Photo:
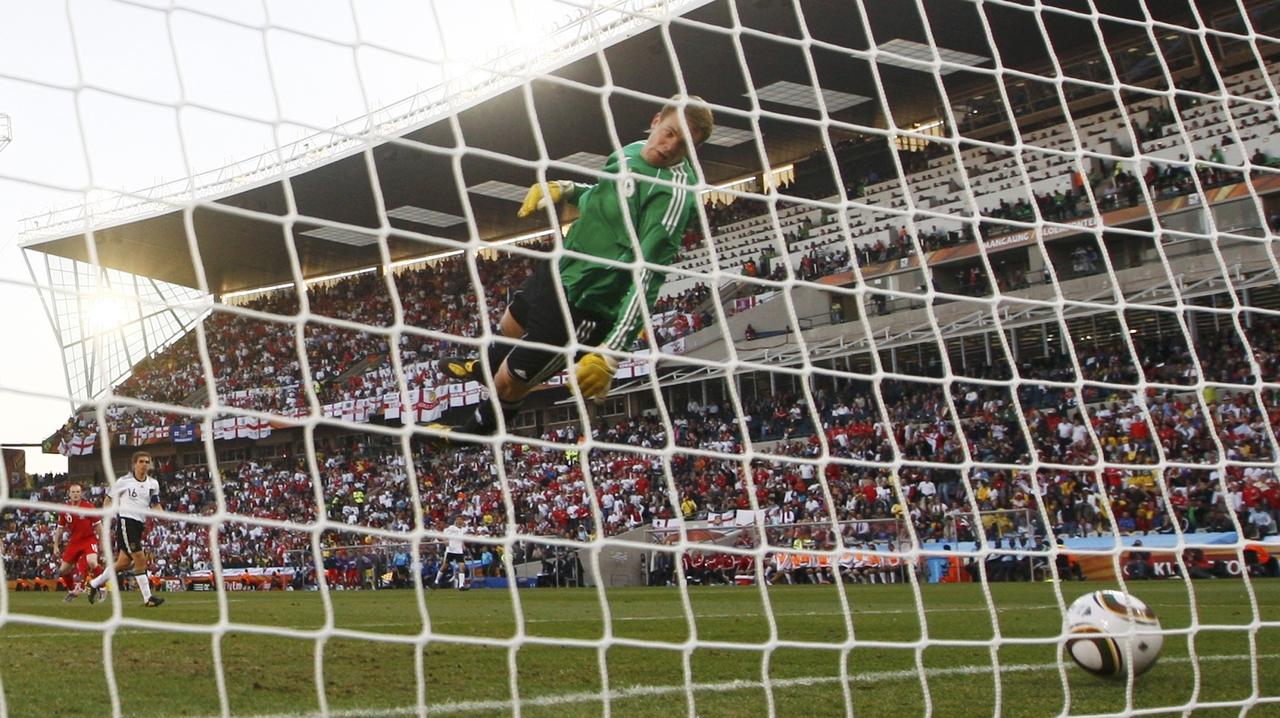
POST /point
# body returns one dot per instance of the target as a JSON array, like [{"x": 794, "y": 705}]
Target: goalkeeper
[{"x": 604, "y": 301}]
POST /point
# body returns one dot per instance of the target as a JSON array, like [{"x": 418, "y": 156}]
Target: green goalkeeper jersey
[{"x": 659, "y": 214}]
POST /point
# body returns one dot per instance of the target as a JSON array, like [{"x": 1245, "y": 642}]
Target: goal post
[
  {"x": 994, "y": 524},
  {"x": 960, "y": 309}
]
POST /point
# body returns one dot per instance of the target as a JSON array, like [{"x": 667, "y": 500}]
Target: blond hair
[{"x": 696, "y": 115}]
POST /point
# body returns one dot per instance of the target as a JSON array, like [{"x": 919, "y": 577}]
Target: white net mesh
[{"x": 974, "y": 299}]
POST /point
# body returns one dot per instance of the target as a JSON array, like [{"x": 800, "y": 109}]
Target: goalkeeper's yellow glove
[
  {"x": 556, "y": 191},
  {"x": 595, "y": 374}
]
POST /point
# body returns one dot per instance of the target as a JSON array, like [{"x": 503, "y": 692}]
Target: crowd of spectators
[
  {"x": 254, "y": 355},
  {"x": 958, "y": 444},
  {"x": 949, "y": 437}
]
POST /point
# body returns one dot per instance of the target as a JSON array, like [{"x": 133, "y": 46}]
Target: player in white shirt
[
  {"x": 135, "y": 493},
  {"x": 455, "y": 553}
]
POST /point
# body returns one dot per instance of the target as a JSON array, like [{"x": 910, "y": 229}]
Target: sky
[{"x": 108, "y": 94}]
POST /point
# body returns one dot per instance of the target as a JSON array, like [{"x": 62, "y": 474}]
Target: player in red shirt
[{"x": 81, "y": 534}]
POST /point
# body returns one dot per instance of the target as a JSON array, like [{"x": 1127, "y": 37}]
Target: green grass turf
[{"x": 467, "y": 665}]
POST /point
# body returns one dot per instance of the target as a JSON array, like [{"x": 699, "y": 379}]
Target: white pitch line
[{"x": 632, "y": 692}]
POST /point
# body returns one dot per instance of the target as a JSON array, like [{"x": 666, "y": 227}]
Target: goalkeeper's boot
[
  {"x": 95, "y": 593},
  {"x": 71, "y": 596},
  {"x": 461, "y": 368},
  {"x": 153, "y": 602}
]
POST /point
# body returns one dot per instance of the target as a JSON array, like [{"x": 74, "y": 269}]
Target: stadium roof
[{"x": 410, "y": 167}]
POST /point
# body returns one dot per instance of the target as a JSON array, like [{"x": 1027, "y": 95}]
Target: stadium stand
[
  {"x": 363, "y": 477},
  {"x": 347, "y": 364}
]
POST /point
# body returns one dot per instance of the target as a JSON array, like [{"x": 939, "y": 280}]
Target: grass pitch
[{"x": 724, "y": 645}]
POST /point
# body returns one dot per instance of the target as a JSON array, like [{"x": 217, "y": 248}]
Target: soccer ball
[{"x": 1134, "y": 628}]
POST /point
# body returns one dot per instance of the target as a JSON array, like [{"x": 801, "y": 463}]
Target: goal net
[{"x": 919, "y": 319}]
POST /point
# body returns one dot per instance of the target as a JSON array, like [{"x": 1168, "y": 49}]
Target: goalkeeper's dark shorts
[{"x": 538, "y": 309}]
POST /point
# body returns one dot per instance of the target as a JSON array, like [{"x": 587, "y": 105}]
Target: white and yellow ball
[{"x": 1105, "y": 629}]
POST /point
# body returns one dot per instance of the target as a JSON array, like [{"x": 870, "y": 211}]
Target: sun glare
[{"x": 105, "y": 314}]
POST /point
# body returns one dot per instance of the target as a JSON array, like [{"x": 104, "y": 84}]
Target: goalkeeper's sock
[
  {"x": 144, "y": 585},
  {"x": 484, "y": 421},
  {"x": 497, "y": 353},
  {"x": 99, "y": 580},
  {"x": 66, "y": 582}
]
